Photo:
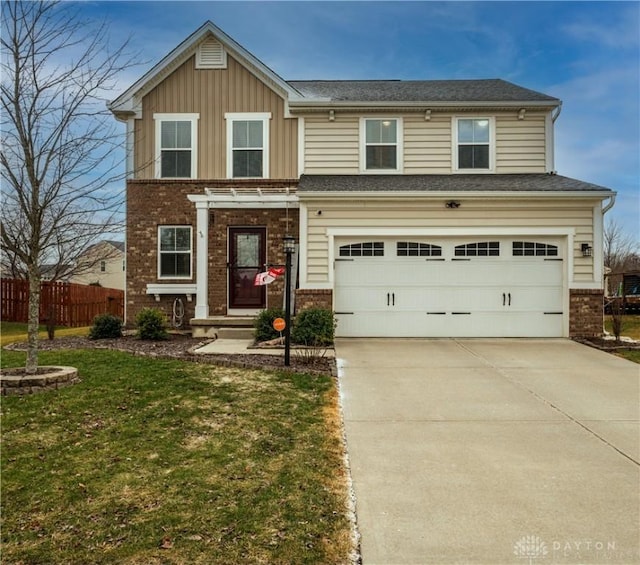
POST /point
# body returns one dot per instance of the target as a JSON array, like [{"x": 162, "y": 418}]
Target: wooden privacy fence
[{"x": 70, "y": 304}]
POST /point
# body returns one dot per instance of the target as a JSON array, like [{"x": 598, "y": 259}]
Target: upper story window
[
  {"x": 248, "y": 145},
  {"x": 474, "y": 144},
  {"x": 103, "y": 266},
  {"x": 176, "y": 145},
  {"x": 174, "y": 252},
  {"x": 381, "y": 144}
]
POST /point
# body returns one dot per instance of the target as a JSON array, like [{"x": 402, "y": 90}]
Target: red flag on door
[{"x": 268, "y": 276}]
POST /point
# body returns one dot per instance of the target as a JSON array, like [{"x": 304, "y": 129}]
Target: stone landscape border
[{"x": 47, "y": 378}]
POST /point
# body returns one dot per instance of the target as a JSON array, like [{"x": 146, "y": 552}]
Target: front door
[{"x": 247, "y": 257}]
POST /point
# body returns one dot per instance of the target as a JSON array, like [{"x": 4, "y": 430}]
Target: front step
[
  {"x": 223, "y": 327},
  {"x": 235, "y": 333}
]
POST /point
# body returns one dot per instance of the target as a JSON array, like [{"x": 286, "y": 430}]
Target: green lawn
[
  {"x": 154, "y": 461},
  {"x": 630, "y": 326},
  {"x": 16, "y": 331},
  {"x": 631, "y": 355}
]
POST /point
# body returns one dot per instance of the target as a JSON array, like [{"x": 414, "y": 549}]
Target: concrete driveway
[{"x": 492, "y": 451}]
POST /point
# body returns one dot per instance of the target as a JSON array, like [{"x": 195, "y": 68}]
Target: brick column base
[
  {"x": 586, "y": 313},
  {"x": 313, "y": 298}
]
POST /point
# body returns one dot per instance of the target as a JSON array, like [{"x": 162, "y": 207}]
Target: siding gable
[{"x": 211, "y": 93}]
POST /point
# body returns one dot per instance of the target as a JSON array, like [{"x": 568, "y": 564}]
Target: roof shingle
[
  {"x": 485, "y": 90},
  {"x": 444, "y": 183}
]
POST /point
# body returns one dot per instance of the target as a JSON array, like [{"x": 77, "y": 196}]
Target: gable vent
[{"x": 211, "y": 55}]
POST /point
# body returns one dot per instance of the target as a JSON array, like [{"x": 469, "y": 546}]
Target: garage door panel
[
  {"x": 354, "y": 299},
  {"x": 449, "y": 295},
  {"x": 391, "y": 323},
  {"x": 527, "y": 299},
  {"x": 534, "y": 273}
]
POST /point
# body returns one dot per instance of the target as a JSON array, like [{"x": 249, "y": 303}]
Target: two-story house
[
  {"x": 421, "y": 208},
  {"x": 101, "y": 264}
]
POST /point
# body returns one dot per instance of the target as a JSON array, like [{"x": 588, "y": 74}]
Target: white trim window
[
  {"x": 174, "y": 252},
  {"x": 176, "y": 145},
  {"x": 248, "y": 145},
  {"x": 474, "y": 144},
  {"x": 381, "y": 145}
]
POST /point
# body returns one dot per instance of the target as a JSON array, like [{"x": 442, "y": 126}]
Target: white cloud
[{"x": 616, "y": 29}]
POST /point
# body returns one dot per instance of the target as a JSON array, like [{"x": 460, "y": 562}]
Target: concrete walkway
[
  {"x": 492, "y": 451},
  {"x": 245, "y": 347}
]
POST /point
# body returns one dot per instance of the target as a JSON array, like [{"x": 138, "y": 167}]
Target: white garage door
[{"x": 449, "y": 288}]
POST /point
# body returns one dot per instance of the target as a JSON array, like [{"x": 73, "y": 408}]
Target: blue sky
[{"x": 585, "y": 53}]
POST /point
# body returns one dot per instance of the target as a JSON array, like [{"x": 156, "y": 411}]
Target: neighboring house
[
  {"x": 421, "y": 208},
  {"x": 102, "y": 264}
]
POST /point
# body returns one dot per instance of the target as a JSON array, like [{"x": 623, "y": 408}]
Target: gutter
[
  {"x": 320, "y": 104},
  {"x": 470, "y": 194}
]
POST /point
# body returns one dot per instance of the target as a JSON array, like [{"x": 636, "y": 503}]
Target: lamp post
[{"x": 289, "y": 245}]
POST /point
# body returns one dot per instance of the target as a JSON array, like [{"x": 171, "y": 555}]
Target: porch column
[{"x": 202, "y": 254}]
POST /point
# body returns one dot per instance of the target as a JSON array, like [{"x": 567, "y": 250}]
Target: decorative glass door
[{"x": 247, "y": 257}]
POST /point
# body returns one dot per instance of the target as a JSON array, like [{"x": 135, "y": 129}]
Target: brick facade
[
  {"x": 164, "y": 202},
  {"x": 313, "y": 298},
  {"x": 585, "y": 313}
]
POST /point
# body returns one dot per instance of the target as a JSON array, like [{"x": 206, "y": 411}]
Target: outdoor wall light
[
  {"x": 586, "y": 250},
  {"x": 452, "y": 204},
  {"x": 289, "y": 244}
]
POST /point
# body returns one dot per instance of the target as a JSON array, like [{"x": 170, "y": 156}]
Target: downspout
[
  {"x": 612, "y": 201},
  {"x": 550, "y": 139}
]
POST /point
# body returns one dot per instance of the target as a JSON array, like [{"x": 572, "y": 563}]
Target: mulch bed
[
  {"x": 609, "y": 345},
  {"x": 181, "y": 347}
]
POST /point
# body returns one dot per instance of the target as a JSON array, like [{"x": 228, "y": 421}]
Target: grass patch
[
  {"x": 16, "y": 331},
  {"x": 630, "y": 326},
  {"x": 630, "y": 354},
  {"x": 155, "y": 461}
]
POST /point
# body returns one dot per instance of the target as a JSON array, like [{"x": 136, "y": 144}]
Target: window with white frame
[
  {"x": 474, "y": 146},
  {"x": 176, "y": 145},
  {"x": 381, "y": 142},
  {"x": 103, "y": 266},
  {"x": 248, "y": 145},
  {"x": 174, "y": 252}
]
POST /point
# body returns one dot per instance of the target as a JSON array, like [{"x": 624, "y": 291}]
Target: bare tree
[
  {"x": 621, "y": 250},
  {"x": 59, "y": 157}
]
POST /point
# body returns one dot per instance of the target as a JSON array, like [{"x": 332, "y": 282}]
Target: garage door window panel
[
  {"x": 416, "y": 249},
  {"x": 534, "y": 249},
  {"x": 364, "y": 249},
  {"x": 478, "y": 249}
]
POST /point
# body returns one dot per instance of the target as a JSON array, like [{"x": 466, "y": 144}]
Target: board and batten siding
[
  {"x": 379, "y": 214},
  {"x": 333, "y": 147},
  {"x": 211, "y": 93}
]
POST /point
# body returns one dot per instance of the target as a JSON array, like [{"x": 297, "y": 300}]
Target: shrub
[
  {"x": 151, "y": 324},
  {"x": 314, "y": 327},
  {"x": 106, "y": 326},
  {"x": 264, "y": 324}
]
